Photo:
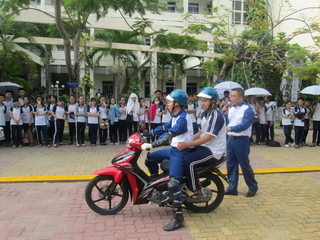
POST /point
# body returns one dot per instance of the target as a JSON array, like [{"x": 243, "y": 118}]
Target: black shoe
[
  {"x": 230, "y": 193},
  {"x": 175, "y": 223},
  {"x": 251, "y": 193}
]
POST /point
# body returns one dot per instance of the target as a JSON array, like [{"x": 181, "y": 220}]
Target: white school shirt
[
  {"x": 102, "y": 111},
  {"x": 214, "y": 125},
  {"x": 16, "y": 114},
  {"x": 287, "y": 121},
  {"x": 270, "y": 108},
  {"x": 40, "y": 120},
  {"x": 166, "y": 117},
  {"x": 262, "y": 115},
  {"x": 299, "y": 122},
  {"x": 144, "y": 117},
  {"x": 123, "y": 115},
  {"x": 26, "y": 113},
  {"x": 70, "y": 108},
  {"x": 9, "y": 104},
  {"x": 3, "y": 110},
  {"x": 192, "y": 115},
  {"x": 316, "y": 114},
  {"x": 60, "y": 110},
  {"x": 157, "y": 119},
  {"x": 187, "y": 136},
  {"x": 93, "y": 120}
]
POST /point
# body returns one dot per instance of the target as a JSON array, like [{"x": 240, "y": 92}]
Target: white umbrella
[
  {"x": 257, "y": 92},
  {"x": 9, "y": 86},
  {"x": 313, "y": 90},
  {"x": 228, "y": 85}
]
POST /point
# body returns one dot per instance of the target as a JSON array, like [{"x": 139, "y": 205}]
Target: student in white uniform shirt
[
  {"x": 58, "y": 113},
  {"x": 166, "y": 115},
  {"x": 16, "y": 115},
  {"x": 299, "y": 122},
  {"x": 27, "y": 120},
  {"x": 287, "y": 123},
  {"x": 21, "y": 93},
  {"x": 103, "y": 119},
  {"x": 143, "y": 115},
  {"x": 114, "y": 113},
  {"x": 93, "y": 122},
  {"x": 9, "y": 104},
  {"x": 122, "y": 121},
  {"x": 191, "y": 109},
  {"x": 157, "y": 119},
  {"x": 3, "y": 110},
  {"x": 71, "y": 121},
  {"x": 50, "y": 106},
  {"x": 41, "y": 121},
  {"x": 80, "y": 113}
]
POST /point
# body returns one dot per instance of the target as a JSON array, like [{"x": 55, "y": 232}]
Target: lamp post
[{"x": 57, "y": 88}]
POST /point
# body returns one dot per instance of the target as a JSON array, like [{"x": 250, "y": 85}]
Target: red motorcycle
[{"x": 108, "y": 193}]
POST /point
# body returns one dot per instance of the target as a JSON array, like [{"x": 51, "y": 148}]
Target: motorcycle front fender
[{"x": 117, "y": 174}]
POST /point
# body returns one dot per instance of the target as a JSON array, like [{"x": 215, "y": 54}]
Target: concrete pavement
[{"x": 287, "y": 205}]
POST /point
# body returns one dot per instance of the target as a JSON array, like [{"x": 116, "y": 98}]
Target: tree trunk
[
  {"x": 225, "y": 70},
  {"x": 126, "y": 82}
]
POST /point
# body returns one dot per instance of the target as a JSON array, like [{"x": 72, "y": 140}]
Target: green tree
[
  {"x": 73, "y": 25},
  {"x": 14, "y": 64},
  {"x": 122, "y": 59}
]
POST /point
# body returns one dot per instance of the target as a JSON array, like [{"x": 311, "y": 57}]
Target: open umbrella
[
  {"x": 313, "y": 90},
  {"x": 228, "y": 85},
  {"x": 257, "y": 92},
  {"x": 9, "y": 85}
]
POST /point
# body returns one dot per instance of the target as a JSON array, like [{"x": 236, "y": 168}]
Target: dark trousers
[
  {"x": 195, "y": 127},
  {"x": 16, "y": 135},
  {"x": 270, "y": 129},
  {"x": 122, "y": 127},
  {"x": 132, "y": 127},
  {"x": 93, "y": 132},
  {"x": 44, "y": 130},
  {"x": 3, "y": 141},
  {"x": 305, "y": 130},
  {"x": 257, "y": 128},
  {"x": 200, "y": 156},
  {"x": 51, "y": 129},
  {"x": 298, "y": 131},
  {"x": 58, "y": 130},
  {"x": 263, "y": 129},
  {"x": 7, "y": 132},
  {"x": 80, "y": 129},
  {"x": 72, "y": 130},
  {"x": 113, "y": 131},
  {"x": 103, "y": 134},
  {"x": 316, "y": 132},
  {"x": 238, "y": 154},
  {"x": 287, "y": 129}
]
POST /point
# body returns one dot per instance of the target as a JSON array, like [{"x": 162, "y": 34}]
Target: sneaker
[
  {"x": 292, "y": 144},
  {"x": 83, "y": 145},
  {"x": 78, "y": 145},
  {"x": 20, "y": 146},
  {"x": 116, "y": 143},
  {"x": 14, "y": 146},
  {"x": 286, "y": 145}
]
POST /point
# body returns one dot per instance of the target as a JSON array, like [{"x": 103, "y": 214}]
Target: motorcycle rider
[
  {"x": 209, "y": 141},
  {"x": 179, "y": 129}
]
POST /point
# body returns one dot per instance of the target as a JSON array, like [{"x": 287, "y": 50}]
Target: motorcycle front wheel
[
  {"x": 106, "y": 197},
  {"x": 214, "y": 183}
]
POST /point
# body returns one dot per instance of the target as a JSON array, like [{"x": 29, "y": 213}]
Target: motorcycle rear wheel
[
  {"x": 106, "y": 197},
  {"x": 217, "y": 189}
]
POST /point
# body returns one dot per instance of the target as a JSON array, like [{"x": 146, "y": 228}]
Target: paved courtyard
[{"x": 287, "y": 205}]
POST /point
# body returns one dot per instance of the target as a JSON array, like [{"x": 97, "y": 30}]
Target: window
[
  {"x": 209, "y": 8},
  {"x": 193, "y": 8},
  {"x": 169, "y": 87},
  {"x": 240, "y": 9},
  {"x": 147, "y": 89},
  {"x": 192, "y": 88},
  {"x": 171, "y": 6}
]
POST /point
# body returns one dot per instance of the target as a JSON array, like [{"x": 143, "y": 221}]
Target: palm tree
[
  {"x": 14, "y": 64},
  {"x": 122, "y": 59}
]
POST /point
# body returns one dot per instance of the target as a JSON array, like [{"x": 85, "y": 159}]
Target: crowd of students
[{"x": 25, "y": 123}]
